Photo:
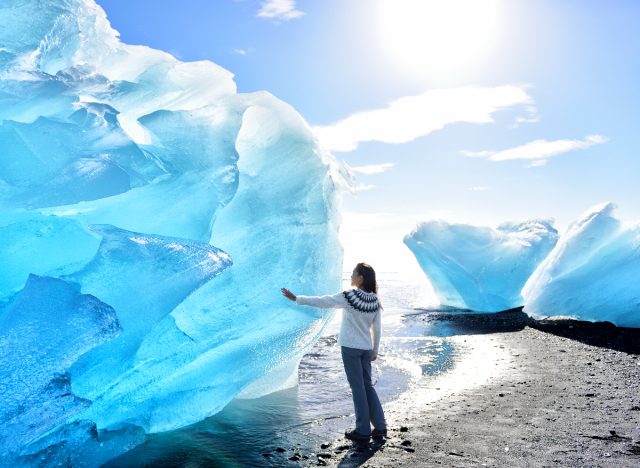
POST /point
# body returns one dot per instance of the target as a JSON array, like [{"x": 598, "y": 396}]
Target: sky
[{"x": 474, "y": 111}]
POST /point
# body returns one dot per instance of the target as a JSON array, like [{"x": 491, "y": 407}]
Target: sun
[{"x": 438, "y": 37}]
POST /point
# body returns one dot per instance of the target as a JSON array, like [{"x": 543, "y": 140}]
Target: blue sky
[{"x": 545, "y": 98}]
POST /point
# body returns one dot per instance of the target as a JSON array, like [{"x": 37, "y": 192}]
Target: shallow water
[{"x": 319, "y": 409}]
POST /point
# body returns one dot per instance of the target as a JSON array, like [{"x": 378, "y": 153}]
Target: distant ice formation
[
  {"x": 593, "y": 273},
  {"x": 120, "y": 169},
  {"x": 480, "y": 268}
]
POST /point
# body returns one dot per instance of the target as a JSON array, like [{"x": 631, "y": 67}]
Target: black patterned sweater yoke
[{"x": 362, "y": 301}]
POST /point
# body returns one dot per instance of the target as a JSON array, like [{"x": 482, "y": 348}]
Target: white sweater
[{"x": 360, "y": 319}]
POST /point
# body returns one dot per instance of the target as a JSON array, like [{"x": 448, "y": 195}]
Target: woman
[{"x": 359, "y": 341}]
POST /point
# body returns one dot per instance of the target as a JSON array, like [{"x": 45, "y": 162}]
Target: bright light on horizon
[
  {"x": 376, "y": 238},
  {"x": 437, "y": 37}
]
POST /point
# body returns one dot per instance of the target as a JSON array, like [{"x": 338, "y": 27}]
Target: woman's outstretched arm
[
  {"x": 330, "y": 301},
  {"x": 288, "y": 294}
]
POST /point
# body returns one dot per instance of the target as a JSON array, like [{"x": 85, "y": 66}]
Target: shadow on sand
[{"x": 360, "y": 452}]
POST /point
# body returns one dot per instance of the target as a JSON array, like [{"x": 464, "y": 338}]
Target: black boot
[{"x": 356, "y": 436}]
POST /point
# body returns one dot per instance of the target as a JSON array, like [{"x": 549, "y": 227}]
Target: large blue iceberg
[
  {"x": 149, "y": 215},
  {"x": 480, "y": 268},
  {"x": 592, "y": 274}
]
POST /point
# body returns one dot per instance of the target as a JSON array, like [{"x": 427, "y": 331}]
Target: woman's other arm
[{"x": 376, "y": 331}]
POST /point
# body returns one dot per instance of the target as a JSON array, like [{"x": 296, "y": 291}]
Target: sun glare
[{"x": 438, "y": 37}]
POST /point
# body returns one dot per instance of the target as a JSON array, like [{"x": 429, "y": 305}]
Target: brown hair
[{"x": 369, "y": 283}]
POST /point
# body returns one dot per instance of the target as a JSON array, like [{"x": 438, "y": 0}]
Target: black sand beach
[{"x": 564, "y": 393}]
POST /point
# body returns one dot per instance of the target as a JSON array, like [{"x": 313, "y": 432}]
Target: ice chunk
[
  {"x": 79, "y": 444},
  {"x": 236, "y": 329},
  {"x": 120, "y": 168},
  {"x": 52, "y": 363},
  {"x": 43, "y": 330},
  {"x": 480, "y": 268},
  {"x": 43, "y": 245},
  {"x": 144, "y": 278},
  {"x": 26, "y": 101},
  {"x": 592, "y": 273},
  {"x": 50, "y": 162},
  {"x": 201, "y": 175}
]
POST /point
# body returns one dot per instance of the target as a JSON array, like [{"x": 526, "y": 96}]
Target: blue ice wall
[
  {"x": 149, "y": 215},
  {"x": 593, "y": 272},
  {"x": 480, "y": 268},
  {"x": 46, "y": 327}
]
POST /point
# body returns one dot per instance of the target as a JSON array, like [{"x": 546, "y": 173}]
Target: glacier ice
[
  {"x": 592, "y": 273},
  {"x": 32, "y": 243},
  {"x": 149, "y": 214},
  {"x": 480, "y": 268},
  {"x": 36, "y": 349}
]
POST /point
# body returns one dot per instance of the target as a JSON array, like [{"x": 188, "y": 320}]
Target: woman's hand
[
  {"x": 374, "y": 356},
  {"x": 288, "y": 294}
]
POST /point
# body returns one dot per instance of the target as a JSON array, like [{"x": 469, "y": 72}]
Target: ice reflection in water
[{"x": 318, "y": 410}]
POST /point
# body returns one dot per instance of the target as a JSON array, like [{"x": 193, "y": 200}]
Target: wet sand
[{"x": 564, "y": 393}]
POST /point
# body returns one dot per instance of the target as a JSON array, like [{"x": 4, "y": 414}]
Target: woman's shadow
[{"x": 360, "y": 452}]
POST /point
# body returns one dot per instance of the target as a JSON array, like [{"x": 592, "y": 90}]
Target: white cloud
[
  {"x": 242, "y": 51},
  {"x": 538, "y": 150},
  {"x": 411, "y": 117},
  {"x": 531, "y": 117},
  {"x": 279, "y": 10},
  {"x": 478, "y": 188},
  {"x": 363, "y": 187},
  {"x": 537, "y": 163},
  {"x": 373, "y": 168}
]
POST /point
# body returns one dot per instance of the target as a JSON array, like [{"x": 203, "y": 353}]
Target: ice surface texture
[
  {"x": 120, "y": 169},
  {"x": 480, "y": 268},
  {"x": 593, "y": 273}
]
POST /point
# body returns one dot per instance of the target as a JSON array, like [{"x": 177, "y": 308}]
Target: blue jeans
[{"x": 357, "y": 365}]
